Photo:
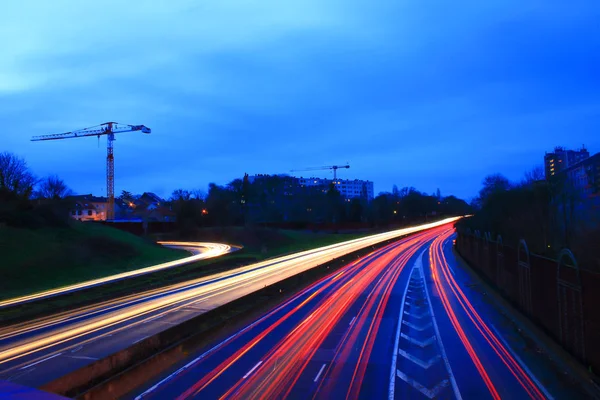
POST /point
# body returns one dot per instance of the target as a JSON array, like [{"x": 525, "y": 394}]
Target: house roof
[
  {"x": 153, "y": 197},
  {"x": 89, "y": 198}
]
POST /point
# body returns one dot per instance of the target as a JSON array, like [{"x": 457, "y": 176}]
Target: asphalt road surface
[
  {"x": 402, "y": 322},
  {"x": 37, "y": 352}
]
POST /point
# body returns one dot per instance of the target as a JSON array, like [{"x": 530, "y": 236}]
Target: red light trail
[
  {"x": 438, "y": 263},
  {"x": 279, "y": 370},
  {"x": 341, "y": 315}
]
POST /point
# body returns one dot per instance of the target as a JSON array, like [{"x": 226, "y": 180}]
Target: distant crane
[
  {"x": 109, "y": 129},
  {"x": 333, "y": 167}
]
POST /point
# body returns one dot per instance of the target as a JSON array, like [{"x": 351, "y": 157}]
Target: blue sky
[{"x": 430, "y": 94}]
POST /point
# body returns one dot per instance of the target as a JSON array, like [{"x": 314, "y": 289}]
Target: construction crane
[
  {"x": 109, "y": 129},
  {"x": 332, "y": 167}
]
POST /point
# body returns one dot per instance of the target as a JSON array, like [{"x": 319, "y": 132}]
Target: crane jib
[{"x": 108, "y": 128}]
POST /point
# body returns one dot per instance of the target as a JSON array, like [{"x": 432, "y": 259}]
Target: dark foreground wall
[{"x": 558, "y": 295}]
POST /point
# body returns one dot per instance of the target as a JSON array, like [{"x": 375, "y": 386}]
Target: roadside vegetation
[
  {"x": 41, "y": 247},
  {"x": 278, "y": 201},
  {"x": 549, "y": 215},
  {"x": 50, "y": 257}
]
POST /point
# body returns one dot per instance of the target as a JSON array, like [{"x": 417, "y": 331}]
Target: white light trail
[
  {"x": 216, "y": 289},
  {"x": 213, "y": 250}
]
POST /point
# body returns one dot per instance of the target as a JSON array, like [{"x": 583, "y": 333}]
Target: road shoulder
[{"x": 529, "y": 338}]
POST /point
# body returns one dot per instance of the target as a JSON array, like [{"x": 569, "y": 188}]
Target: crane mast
[
  {"x": 110, "y": 175},
  {"x": 109, "y": 129}
]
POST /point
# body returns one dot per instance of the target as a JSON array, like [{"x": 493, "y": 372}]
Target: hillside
[{"x": 36, "y": 259}]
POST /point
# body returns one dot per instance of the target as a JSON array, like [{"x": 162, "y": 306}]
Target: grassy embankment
[
  {"x": 258, "y": 244},
  {"x": 32, "y": 260}
]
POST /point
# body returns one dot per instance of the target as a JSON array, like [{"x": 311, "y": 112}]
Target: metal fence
[{"x": 557, "y": 295}]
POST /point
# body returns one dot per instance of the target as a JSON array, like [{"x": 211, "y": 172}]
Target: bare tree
[
  {"x": 198, "y": 194},
  {"x": 533, "y": 176},
  {"x": 52, "y": 187},
  {"x": 180, "y": 195},
  {"x": 492, "y": 184},
  {"x": 15, "y": 177}
]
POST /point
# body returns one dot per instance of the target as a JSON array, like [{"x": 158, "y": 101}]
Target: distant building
[
  {"x": 561, "y": 159},
  {"x": 87, "y": 207},
  {"x": 578, "y": 201},
  {"x": 148, "y": 207},
  {"x": 150, "y": 200},
  {"x": 349, "y": 189},
  {"x": 585, "y": 176}
]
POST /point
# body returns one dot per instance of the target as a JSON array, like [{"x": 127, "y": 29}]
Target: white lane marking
[
  {"x": 37, "y": 362},
  {"x": 139, "y": 340},
  {"x": 219, "y": 345},
  {"x": 451, "y": 269},
  {"x": 421, "y": 343},
  {"x": 417, "y": 327},
  {"x": 76, "y": 349},
  {"x": 320, "y": 372},
  {"x": 153, "y": 319},
  {"x": 252, "y": 370},
  {"x": 418, "y": 361},
  {"x": 392, "y": 386},
  {"x": 437, "y": 333},
  {"x": 415, "y": 315},
  {"x": 540, "y": 386},
  {"x": 351, "y": 322},
  {"x": 20, "y": 374},
  {"x": 84, "y": 358},
  {"x": 430, "y": 393}
]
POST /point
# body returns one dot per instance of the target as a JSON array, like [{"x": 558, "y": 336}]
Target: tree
[
  {"x": 533, "y": 176},
  {"x": 52, "y": 187},
  {"x": 493, "y": 184},
  {"x": 15, "y": 177},
  {"x": 126, "y": 196},
  {"x": 335, "y": 205},
  {"x": 180, "y": 195},
  {"x": 198, "y": 194}
]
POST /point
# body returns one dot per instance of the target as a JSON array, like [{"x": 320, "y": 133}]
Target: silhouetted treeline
[
  {"x": 548, "y": 214},
  {"x": 27, "y": 201},
  {"x": 273, "y": 200}
]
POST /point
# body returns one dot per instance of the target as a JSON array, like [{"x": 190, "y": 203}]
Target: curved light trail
[
  {"x": 441, "y": 273},
  {"x": 200, "y": 250},
  {"x": 332, "y": 339},
  {"x": 66, "y": 330},
  {"x": 323, "y": 305}
]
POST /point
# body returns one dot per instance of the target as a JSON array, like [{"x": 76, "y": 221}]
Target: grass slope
[{"x": 32, "y": 260}]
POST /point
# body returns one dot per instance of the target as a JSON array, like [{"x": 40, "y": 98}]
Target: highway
[
  {"x": 37, "y": 352},
  {"x": 401, "y": 322}
]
